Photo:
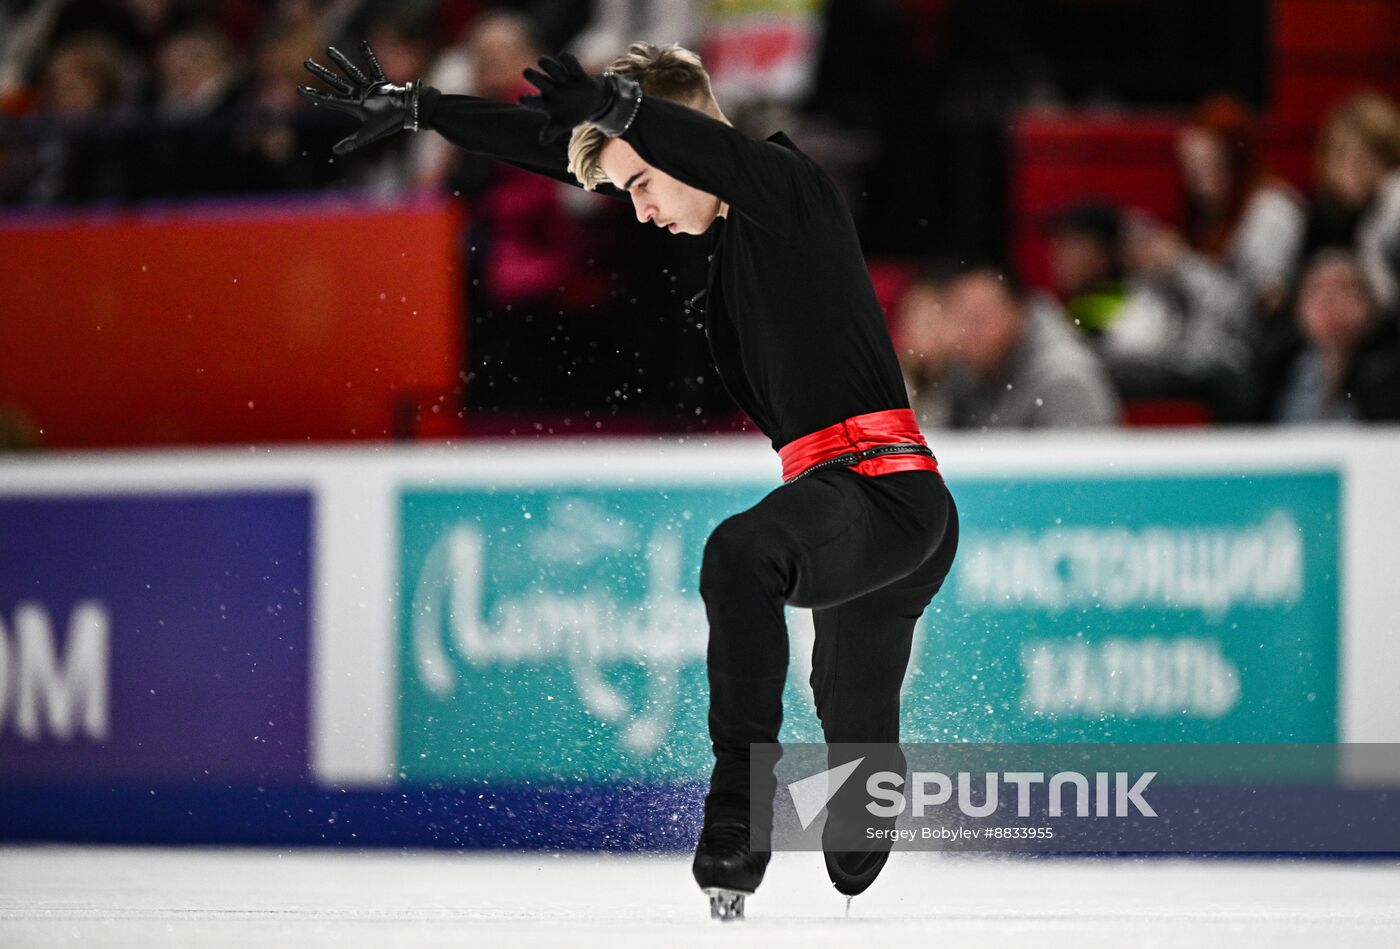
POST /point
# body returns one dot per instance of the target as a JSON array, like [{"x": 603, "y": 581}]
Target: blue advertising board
[
  {"x": 154, "y": 640},
  {"x": 556, "y": 633}
]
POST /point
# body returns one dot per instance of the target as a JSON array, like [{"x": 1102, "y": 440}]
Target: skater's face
[{"x": 657, "y": 197}]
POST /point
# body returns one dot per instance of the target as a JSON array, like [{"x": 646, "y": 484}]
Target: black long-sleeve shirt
[{"x": 797, "y": 335}]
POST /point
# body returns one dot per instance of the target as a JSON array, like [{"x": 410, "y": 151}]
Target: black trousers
[{"x": 866, "y": 554}]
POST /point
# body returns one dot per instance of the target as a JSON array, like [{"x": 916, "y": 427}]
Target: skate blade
[{"x": 725, "y": 905}]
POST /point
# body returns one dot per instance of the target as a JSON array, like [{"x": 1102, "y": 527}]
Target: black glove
[
  {"x": 570, "y": 97},
  {"x": 382, "y": 107}
]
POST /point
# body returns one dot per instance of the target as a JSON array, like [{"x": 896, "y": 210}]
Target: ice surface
[{"x": 187, "y": 897}]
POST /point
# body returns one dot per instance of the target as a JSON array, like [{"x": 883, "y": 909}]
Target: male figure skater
[{"x": 862, "y": 530}]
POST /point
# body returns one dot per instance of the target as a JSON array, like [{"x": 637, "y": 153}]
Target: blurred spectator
[
  {"x": 519, "y": 215},
  {"x": 925, "y": 341},
  {"x": 1086, "y": 264},
  {"x": 1168, "y": 322},
  {"x": 1335, "y": 312},
  {"x": 617, "y": 23},
  {"x": 501, "y": 45},
  {"x": 1235, "y": 212},
  {"x": 1000, "y": 357},
  {"x": 486, "y": 62},
  {"x": 84, "y": 78},
  {"x": 24, "y": 36},
  {"x": 84, "y": 81},
  {"x": 141, "y": 27},
  {"x": 281, "y": 144},
  {"x": 190, "y": 152},
  {"x": 1358, "y": 197},
  {"x": 1184, "y": 328},
  {"x": 196, "y": 74},
  {"x": 523, "y": 246},
  {"x": 762, "y": 52},
  {"x": 1373, "y": 378},
  {"x": 1358, "y": 153}
]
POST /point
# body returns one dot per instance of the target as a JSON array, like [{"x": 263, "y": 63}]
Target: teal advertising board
[{"x": 555, "y": 634}]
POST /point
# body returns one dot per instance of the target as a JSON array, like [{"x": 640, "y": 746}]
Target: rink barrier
[
  {"x": 476, "y": 616},
  {"x": 621, "y": 818}
]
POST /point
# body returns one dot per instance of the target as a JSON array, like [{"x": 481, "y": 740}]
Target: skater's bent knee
[{"x": 737, "y": 552}]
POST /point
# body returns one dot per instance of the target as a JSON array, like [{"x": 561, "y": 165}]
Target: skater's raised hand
[
  {"x": 382, "y": 107},
  {"x": 570, "y": 97}
]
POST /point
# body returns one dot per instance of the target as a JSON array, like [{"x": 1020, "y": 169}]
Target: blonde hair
[
  {"x": 1374, "y": 119},
  {"x": 669, "y": 72}
]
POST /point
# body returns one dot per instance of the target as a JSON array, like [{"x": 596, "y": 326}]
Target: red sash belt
[{"x": 875, "y": 443}]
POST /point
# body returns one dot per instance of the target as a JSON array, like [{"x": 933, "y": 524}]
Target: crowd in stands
[
  {"x": 130, "y": 102},
  {"x": 1256, "y": 303}
]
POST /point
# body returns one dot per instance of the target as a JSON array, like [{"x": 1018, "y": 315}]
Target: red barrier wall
[{"x": 227, "y": 324}]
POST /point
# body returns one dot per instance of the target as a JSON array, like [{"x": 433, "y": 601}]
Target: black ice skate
[
  {"x": 725, "y": 866},
  {"x": 853, "y": 871},
  {"x": 856, "y": 843}
]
